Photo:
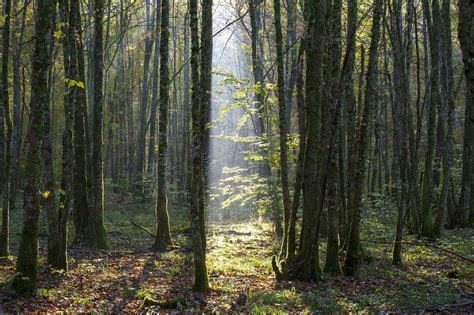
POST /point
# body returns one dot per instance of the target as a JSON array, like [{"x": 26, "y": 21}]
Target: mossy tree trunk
[
  {"x": 334, "y": 51},
  {"x": 433, "y": 23},
  {"x": 199, "y": 100},
  {"x": 466, "y": 38},
  {"x": 27, "y": 262},
  {"x": 353, "y": 244},
  {"x": 307, "y": 261},
  {"x": 97, "y": 235},
  {"x": 163, "y": 236},
  {"x": 82, "y": 202},
  {"x": 400, "y": 119}
]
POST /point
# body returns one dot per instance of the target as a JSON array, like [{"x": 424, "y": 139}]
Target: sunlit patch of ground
[{"x": 239, "y": 256}]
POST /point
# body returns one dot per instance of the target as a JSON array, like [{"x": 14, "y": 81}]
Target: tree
[
  {"x": 154, "y": 89},
  {"x": 283, "y": 125},
  {"x": 81, "y": 179},
  {"x": 5, "y": 139},
  {"x": 307, "y": 261},
  {"x": 201, "y": 62},
  {"x": 97, "y": 234},
  {"x": 353, "y": 245},
  {"x": 427, "y": 223},
  {"x": 27, "y": 263},
  {"x": 466, "y": 38},
  {"x": 143, "y": 126},
  {"x": 163, "y": 236}
]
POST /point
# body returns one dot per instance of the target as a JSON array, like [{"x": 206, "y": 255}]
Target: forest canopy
[{"x": 237, "y": 155}]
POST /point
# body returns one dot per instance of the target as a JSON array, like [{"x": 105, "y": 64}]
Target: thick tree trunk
[
  {"x": 27, "y": 262},
  {"x": 307, "y": 262},
  {"x": 331, "y": 133}
]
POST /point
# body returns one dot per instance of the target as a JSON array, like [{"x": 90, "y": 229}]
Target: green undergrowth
[{"x": 130, "y": 278}]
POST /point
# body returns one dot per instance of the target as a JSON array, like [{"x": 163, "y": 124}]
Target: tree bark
[
  {"x": 97, "y": 235},
  {"x": 466, "y": 38},
  {"x": 5, "y": 135},
  {"x": 163, "y": 236},
  {"x": 353, "y": 245},
  {"x": 27, "y": 263}
]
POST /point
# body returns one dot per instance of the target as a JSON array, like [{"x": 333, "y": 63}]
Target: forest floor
[{"x": 239, "y": 263}]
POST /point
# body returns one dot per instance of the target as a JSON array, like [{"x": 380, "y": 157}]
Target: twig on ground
[{"x": 143, "y": 229}]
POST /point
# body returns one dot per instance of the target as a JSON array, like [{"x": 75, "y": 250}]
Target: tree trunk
[
  {"x": 97, "y": 235},
  {"x": 27, "y": 263},
  {"x": 155, "y": 91},
  {"x": 163, "y": 236},
  {"x": 283, "y": 125},
  {"x": 143, "y": 126},
  {"x": 466, "y": 38},
  {"x": 5, "y": 137},
  {"x": 427, "y": 224},
  {"x": 307, "y": 262},
  {"x": 353, "y": 245}
]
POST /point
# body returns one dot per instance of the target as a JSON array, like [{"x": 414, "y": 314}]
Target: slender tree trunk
[
  {"x": 17, "y": 39},
  {"x": 154, "y": 89},
  {"x": 201, "y": 282},
  {"x": 143, "y": 126},
  {"x": 399, "y": 116},
  {"x": 427, "y": 224},
  {"x": 81, "y": 179},
  {"x": 466, "y": 38},
  {"x": 283, "y": 125},
  {"x": 353, "y": 245},
  {"x": 449, "y": 104},
  {"x": 163, "y": 236},
  {"x": 291, "y": 251},
  {"x": 5, "y": 135},
  {"x": 97, "y": 235}
]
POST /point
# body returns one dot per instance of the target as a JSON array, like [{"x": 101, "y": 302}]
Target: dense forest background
[{"x": 244, "y": 155}]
